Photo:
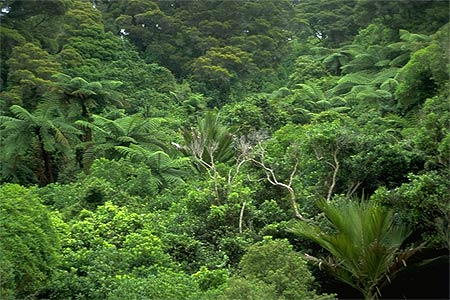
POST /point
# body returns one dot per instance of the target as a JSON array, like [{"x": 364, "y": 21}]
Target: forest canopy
[{"x": 221, "y": 149}]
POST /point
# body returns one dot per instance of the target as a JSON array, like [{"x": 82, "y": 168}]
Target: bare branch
[
  {"x": 241, "y": 216},
  {"x": 352, "y": 189},
  {"x": 291, "y": 177},
  {"x": 335, "y": 171},
  {"x": 272, "y": 179},
  {"x": 312, "y": 258}
]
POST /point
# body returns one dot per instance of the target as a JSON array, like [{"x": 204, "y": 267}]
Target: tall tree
[
  {"x": 30, "y": 70},
  {"x": 29, "y": 243},
  {"x": 124, "y": 132},
  {"x": 44, "y": 135}
]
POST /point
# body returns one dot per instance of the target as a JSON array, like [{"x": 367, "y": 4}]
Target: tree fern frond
[
  {"x": 112, "y": 84},
  {"x": 312, "y": 92},
  {"x": 383, "y": 63},
  {"x": 108, "y": 125},
  {"x": 76, "y": 83},
  {"x": 341, "y": 89},
  {"x": 132, "y": 154},
  {"x": 88, "y": 156},
  {"x": 390, "y": 85},
  {"x": 414, "y": 37},
  {"x": 67, "y": 128},
  {"x": 361, "y": 62},
  {"x": 62, "y": 77},
  {"x": 357, "y": 78},
  {"x": 129, "y": 123},
  {"x": 340, "y": 109},
  {"x": 60, "y": 138},
  {"x": 21, "y": 113},
  {"x": 92, "y": 87},
  {"x": 384, "y": 75},
  {"x": 400, "y": 60},
  {"x": 102, "y": 148},
  {"x": 46, "y": 139},
  {"x": 6, "y": 121},
  {"x": 88, "y": 125},
  {"x": 152, "y": 124},
  {"x": 126, "y": 139}
]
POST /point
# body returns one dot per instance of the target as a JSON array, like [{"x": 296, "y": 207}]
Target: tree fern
[
  {"x": 43, "y": 134},
  {"x": 124, "y": 131},
  {"x": 384, "y": 75},
  {"x": 410, "y": 42},
  {"x": 389, "y": 85},
  {"x": 168, "y": 170}
]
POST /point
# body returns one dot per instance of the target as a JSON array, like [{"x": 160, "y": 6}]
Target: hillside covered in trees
[{"x": 221, "y": 149}]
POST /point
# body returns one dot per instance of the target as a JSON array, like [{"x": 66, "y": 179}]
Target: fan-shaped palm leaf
[{"x": 210, "y": 143}]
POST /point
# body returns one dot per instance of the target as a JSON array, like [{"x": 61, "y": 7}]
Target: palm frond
[{"x": 365, "y": 244}]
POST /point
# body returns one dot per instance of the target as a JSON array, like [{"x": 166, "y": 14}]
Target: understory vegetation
[{"x": 211, "y": 149}]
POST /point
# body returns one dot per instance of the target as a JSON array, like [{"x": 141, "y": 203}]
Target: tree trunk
[
  {"x": 241, "y": 216},
  {"x": 46, "y": 158}
]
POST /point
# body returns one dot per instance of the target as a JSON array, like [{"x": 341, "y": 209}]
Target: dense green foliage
[
  {"x": 29, "y": 243},
  {"x": 157, "y": 149}
]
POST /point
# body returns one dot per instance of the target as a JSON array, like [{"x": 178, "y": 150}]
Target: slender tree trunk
[
  {"x": 335, "y": 167},
  {"x": 87, "y": 116},
  {"x": 87, "y": 137},
  {"x": 241, "y": 216},
  {"x": 46, "y": 158},
  {"x": 48, "y": 167}
]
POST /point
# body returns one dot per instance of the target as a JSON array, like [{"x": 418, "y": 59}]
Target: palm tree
[
  {"x": 44, "y": 133},
  {"x": 365, "y": 246},
  {"x": 208, "y": 144}
]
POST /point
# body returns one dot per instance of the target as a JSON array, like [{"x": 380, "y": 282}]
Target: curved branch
[
  {"x": 335, "y": 167},
  {"x": 272, "y": 179}
]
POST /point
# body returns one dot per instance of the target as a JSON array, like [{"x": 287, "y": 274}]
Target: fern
[
  {"x": 43, "y": 134},
  {"x": 390, "y": 85},
  {"x": 93, "y": 127},
  {"x": 357, "y": 78},
  {"x": 384, "y": 75},
  {"x": 167, "y": 169},
  {"x": 400, "y": 60},
  {"x": 21, "y": 113},
  {"x": 363, "y": 61}
]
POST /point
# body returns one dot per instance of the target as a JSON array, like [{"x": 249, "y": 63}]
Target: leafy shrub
[{"x": 28, "y": 243}]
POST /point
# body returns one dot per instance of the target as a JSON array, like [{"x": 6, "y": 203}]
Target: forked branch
[{"x": 272, "y": 179}]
